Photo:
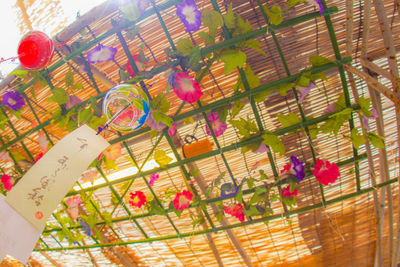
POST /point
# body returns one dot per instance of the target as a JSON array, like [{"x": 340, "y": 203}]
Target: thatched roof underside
[{"x": 342, "y": 233}]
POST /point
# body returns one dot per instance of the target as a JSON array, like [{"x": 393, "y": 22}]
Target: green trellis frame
[{"x": 249, "y": 93}]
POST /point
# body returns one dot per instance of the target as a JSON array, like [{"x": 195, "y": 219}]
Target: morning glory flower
[
  {"x": 186, "y": 88},
  {"x": 217, "y": 125},
  {"x": 13, "y": 100},
  {"x": 189, "y": 14},
  {"x": 101, "y": 53}
]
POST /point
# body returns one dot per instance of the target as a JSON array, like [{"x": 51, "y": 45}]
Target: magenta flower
[
  {"x": 153, "y": 177},
  {"x": 186, "y": 88},
  {"x": 318, "y": 4},
  {"x": 101, "y": 53},
  {"x": 286, "y": 192},
  {"x": 217, "y": 126},
  {"x": 172, "y": 129},
  {"x": 72, "y": 101},
  {"x": 189, "y": 14},
  {"x": 13, "y": 100},
  {"x": 304, "y": 91},
  {"x": 329, "y": 109},
  {"x": 7, "y": 182},
  {"x": 153, "y": 124}
]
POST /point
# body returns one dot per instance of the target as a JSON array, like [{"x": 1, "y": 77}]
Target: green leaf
[
  {"x": 356, "y": 138},
  {"x": 232, "y": 59},
  {"x": 250, "y": 183},
  {"x": 194, "y": 58},
  {"x": 188, "y": 120},
  {"x": 155, "y": 208},
  {"x": 161, "y": 158},
  {"x": 304, "y": 80},
  {"x": 85, "y": 115},
  {"x": 376, "y": 140},
  {"x": 252, "y": 211},
  {"x": 59, "y": 96},
  {"x": 20, "y": 73},
  {"x": 219, "y": 216},
  {"x": 239, "y": 195},
  {"x": 252, "y": 78},
  {"x": 237, "y": 107},
  {"x": 132, "y": 31},
  {"x": 229, "y": 18},
  {"x": 292, "y": 3},
  {"x": 365, "y": 106},
  {"x": 260, "y": 97},
  {"x": 255, "y": 198},
  {"x": 274, "y": 142},
  {"x": 211, "y": 19},
  {"x": 107, "y": 218},
  {"x": 208, "y": 39},
  {"x": 110, "y": 164},
  {"x": 160, "y": 102},
  {"x": 242, "y": 26},
  {"x": 222, "y": 114},
  {"x": 340, "y": 103},
  {"x": 77, "y": 86},
  {"x": 184, "y": 46},
  {"x": 161, "y": 117},
  {"x": 195, "y": 172},
  {"x": 288, "y": 120},
  {"x": 317, "y": 60},
  {"x": 252, "y": 43},
  {"x": 319, "y": 75},
  {"x": 123, "y": 75},
  {"x": 274, "y": 14},
  {"x": 244, "y": 127},
  {"x": 69, "y": 78},
  {"x": 282, "y": 89}
]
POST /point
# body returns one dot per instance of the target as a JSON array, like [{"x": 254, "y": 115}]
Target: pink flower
[
  {"x": 217, "y": 126},
  {"x": 304, "y": 91},
  {"x": 4, "y": 156},
  {"x": 235, "y": 210},
  {"x": 153, "y": 124},
  {"x": 113, "y": 152},
  {"x": 172, "y": 129},
  {"x": 329, "y": 109},
  {"x": 73, "y": 206},
  {"x": 140, "y": 65},
  {"x": 89, "y": 176},
  {"x": 153, "y": 177},
  {"x": 43, "y": 142},
  {"x": 39, "y": 156},
  {"x": 138, "y": 199},
  {"x": 286, "y": 192},
  {"x": 182, "y": 200},
  {"x": 187, "y": 88},
  {"x": 72, "y": 101},
  {"x": 326, "y": 172},
  {"x": 262, "y": 148},
  {"x": 7, "y": 182}
]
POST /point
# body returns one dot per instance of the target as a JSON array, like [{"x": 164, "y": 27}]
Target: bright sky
[{"x": 11, "y": 32}]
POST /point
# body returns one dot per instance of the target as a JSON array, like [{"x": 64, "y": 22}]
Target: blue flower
[
  {"x": 228, "y": 190},
  {"x": 85, "y": 227}
]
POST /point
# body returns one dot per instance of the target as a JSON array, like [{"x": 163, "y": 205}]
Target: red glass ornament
[{"x": 35, "y": 50}]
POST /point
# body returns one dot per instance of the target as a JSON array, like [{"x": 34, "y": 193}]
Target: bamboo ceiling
[{"x": 334, "y": 225}]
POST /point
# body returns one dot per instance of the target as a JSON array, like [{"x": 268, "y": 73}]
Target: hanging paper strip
[{"x": 43, "y": 187}]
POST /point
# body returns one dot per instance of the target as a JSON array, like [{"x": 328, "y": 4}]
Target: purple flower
[
  {"x": 304, "y": 91},
  {"x": 329, "y": 109},
  {"x": 13, "y": 100},
  {"x": 153, "y": 177},
  {"x": 319, "y": 4},
  {"x": 189, "y": 14},
  {"x": 228, "y": 190},
  {"x": 85, "y": 227},
  {"x": 172, "y": 79},
  {"x": 172, "y": 129},
  {"x": 298, "y": 168},
  {"x": 217, "y": 126},
  {"x": 366, "y": 119},
  {"x": 262, "y": 148},
  {"x": 101, "y": 53},
  {"x": 72, "y": 101},
  {"x": 153, "y": 124}
]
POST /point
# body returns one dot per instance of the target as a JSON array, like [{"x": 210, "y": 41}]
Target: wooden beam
[
  {"x": 50, "y": 259},
  {"x": 378, "y": 70},
  {"x": 374, "y": 83}
]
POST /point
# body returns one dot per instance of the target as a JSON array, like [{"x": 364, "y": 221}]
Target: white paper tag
[{"x": 43, "y": 187}]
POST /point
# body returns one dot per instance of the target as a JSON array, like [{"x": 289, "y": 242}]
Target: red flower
[
  {"x": 286, "y": 168},
  {"x": 39, "y": 156},
  {"x": 138, "y": 199},
  {"x": 236, "y": 210},
  {"x": 286, "y": 192},
  {"x": 7, "y": 182},
  {"x": 140, "y": 65},
  {"x": 326, "y": 172},
  {"x": 182, "y": 200}
]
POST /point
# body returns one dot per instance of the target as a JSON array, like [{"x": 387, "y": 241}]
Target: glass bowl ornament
[
  {"x": 35, "y": 50},
  {"x": 126, "y": 107}
]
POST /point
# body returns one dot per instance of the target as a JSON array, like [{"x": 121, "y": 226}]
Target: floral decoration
[
  {"x": 72, "y": 101},
  {"x": 295, "y": 168},
  {"x": 365, "y": 119},
  {"x": 153, "y": 124},
  {"x": 186, "y": 88},
  {"x": 153, "y": 177},
  {"x": 229, "y": 190},
  {"x": 13, "y": 100},
  {"x": 329, "y": 109},
  {"x": 139, "y": 64},
  {"x": 172, "y": 129},
  {"x": 7, "y": 182},
  {"x": 326, "y": 172},
  {"x": 73, "y": 206},
  {"x": 38, "y": 157},
  {"x": 189, "y": 14},
  {"x": 218, "y": 127},
  {"x": 138, "y": 199},
  {"x": 286, "y": 192},
  {"x": 235, "y": 210},
  {"x": 182, "y": 200},
  {"x": 262, "y": 148},
  {"x": 101, "y": 53},
  {"x": 304, "y": 91}
]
